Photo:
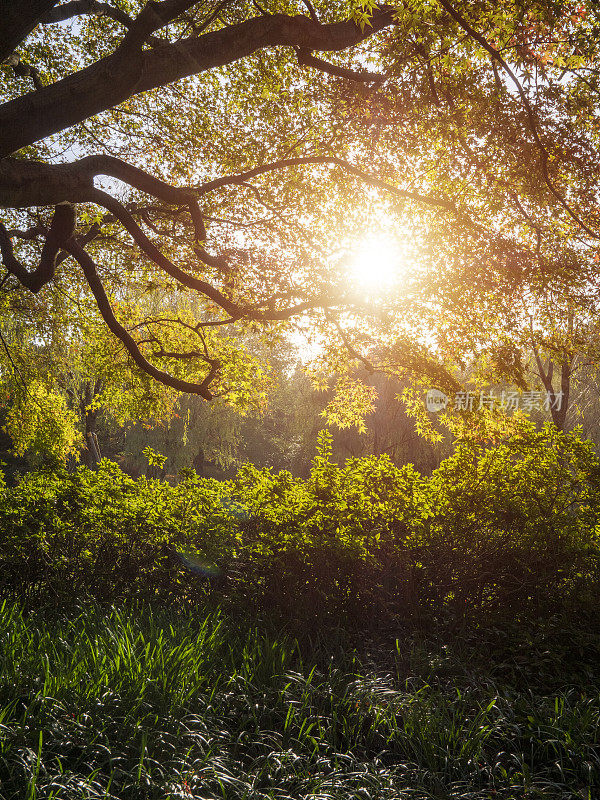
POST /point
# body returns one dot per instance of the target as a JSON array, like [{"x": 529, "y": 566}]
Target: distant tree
[{"x": 58, "y": 357}]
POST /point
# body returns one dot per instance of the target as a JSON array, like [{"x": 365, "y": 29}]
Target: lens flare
[{"x": 197, "y": 565}]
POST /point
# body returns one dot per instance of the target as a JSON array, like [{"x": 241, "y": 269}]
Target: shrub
[
  {"x": 507, "y": 527},
  {"x": 513, "y": 525}
]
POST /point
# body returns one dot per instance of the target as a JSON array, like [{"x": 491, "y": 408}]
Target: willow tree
[{"x": 214, "y": 155}]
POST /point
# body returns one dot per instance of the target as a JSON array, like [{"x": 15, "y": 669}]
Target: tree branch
[
  {"x": 13, "y": 364},
  {"x": 154, "y": 254},
  {"x": 199, "y": 285},
  {"x": 77, "y": 8},
  {"x": 311, "y": 10},
  {"x": 18, "y": 20},
  {"x": 307, "y": 59},
  {"x": 91, "y": 275},
  {"x": 113, "y": 79},
  {"x": 531, "y": 117},
  {"x": 352, "y": 351},
  {"x": 30, "y": 233},
  {"x": 240, "y": 178},
  {"x": 152, "y": 17},
  {"x": 61, "y": 229},
  {"x": 24, "y": 70}
]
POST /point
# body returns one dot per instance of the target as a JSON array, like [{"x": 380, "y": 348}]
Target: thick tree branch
[
  {"x": 17, "y": 20},
  {"x": 25, "y": 183},
  {"x": 199, "y": 285},
  {"x": 77, "y": 8},
  {"x": 139, "y": 179},
  {"x": 61, "y": 229},
  {"x": 115, "y": 78},
  {"x": 152, "y": 17},
  {"x": 152, "y": 252},
  {"x": 116, "y": 168},
  {"x": 311, "y": 10}
]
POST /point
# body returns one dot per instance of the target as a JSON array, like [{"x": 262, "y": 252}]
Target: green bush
[
  {"x": 507, "y": 527},
  {"x": 512, "y": 525}
]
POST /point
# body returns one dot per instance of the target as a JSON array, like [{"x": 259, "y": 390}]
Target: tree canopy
[{"x": 201, "y": 172}]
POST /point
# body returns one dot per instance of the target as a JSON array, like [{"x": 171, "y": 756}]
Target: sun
[{"x": 378, "y": 264}]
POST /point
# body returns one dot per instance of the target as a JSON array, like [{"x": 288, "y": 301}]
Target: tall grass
[{"x": 137, "y": 703}]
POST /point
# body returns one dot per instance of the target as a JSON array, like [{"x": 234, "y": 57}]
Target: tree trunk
[
  {"x": 559, "y": 401},
  {"x": 92, "y": 454}
]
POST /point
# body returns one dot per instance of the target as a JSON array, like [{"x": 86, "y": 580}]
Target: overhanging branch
[
  {"x": 129, "y": 71},
  {"x": 154, "y": 254},
  {"x": 95, "y": 284},
  {"x": 18, "y": 19},
  {"x": 77, "y": 8}
]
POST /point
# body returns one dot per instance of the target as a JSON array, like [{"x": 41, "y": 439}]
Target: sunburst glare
[{"x": 378, "y": 264}]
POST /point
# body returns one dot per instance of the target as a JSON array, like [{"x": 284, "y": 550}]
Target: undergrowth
[
  {"x": 134, "y": 703},
  {"x": 503, "y": 530}
]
